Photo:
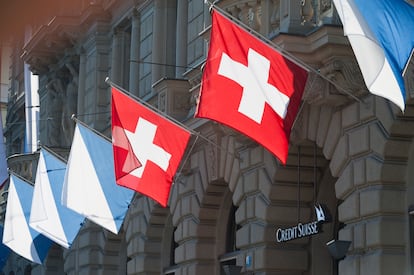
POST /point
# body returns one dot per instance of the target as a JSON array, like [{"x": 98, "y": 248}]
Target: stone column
[
  {"x": 134, "y": 54},
  {"x": 181, "y": 47},
  {"x": 116, "y": 71},
  {"x": 81, "y": 85},
  {"x": 294, "y": 15},
  {"x": 97, "y": 96},
  {"x": 159, "y": 41}
]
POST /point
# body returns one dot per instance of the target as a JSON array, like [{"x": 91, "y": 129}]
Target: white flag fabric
[
  {"x": 18, "y": 235},
  {"x": 90, "y": 188},
  {"x": 48, "y": 216}
]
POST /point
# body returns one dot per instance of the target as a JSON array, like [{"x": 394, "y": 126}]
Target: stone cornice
[{"x": 61, "y": 33}]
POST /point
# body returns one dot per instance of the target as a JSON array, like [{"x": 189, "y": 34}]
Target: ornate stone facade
[{"x": 350, "y": 151}]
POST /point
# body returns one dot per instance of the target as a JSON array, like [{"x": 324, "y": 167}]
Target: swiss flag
[
  {"x": 147, "y": 147},
  {"x": 250, "y": 87}
]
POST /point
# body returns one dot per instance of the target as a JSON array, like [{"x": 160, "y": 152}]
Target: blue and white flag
[
  {"x": 17, "y": 235},
  {"x": 89, "y": 187},
  {"x": 48, "y": 216},
  {"x": 381, "y": 34}
]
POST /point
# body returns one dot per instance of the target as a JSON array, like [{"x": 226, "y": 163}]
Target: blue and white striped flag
[
  {"x": 18, "y": 235},
  {"x": 48, "y": 216},
  {"x": 381, "y": 34},
  {"x": 89, "y": 187}
]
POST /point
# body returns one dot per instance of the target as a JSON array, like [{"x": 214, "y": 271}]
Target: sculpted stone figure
[
  {"x": 54, "y": 112},
  {"x": 70, "y": 105}
]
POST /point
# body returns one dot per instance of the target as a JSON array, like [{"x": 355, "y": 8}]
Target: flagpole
[
  {"x": 54, "y": 153},
  {"x": 408, "y": 63},
  {"x": 152, "y": 108},
  {"x": 14, "y": 173},
  {"x": 282, "y": 51},
  {"x": 74, "y": 118},
  {"x": 185, "y": 160},
  {"x": 149, "y": 106}
]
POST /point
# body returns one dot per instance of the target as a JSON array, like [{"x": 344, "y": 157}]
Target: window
[{"x": 228, "y": 260}]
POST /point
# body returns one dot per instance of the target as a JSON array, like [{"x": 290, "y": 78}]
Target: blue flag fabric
[
  {"x": 381, "y": 35},
  {"x": 392, "y": 23},
  {"x": 18, "y": 235},
  {"x": 48, "y": 216},
  {"x": 89, "y": 187},
  {"x": 4, "y": 250}
]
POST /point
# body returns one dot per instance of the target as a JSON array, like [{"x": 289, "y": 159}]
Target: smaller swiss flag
[
  {"x": 147, "y": 148},
  {"x": 249, "y": 86}
]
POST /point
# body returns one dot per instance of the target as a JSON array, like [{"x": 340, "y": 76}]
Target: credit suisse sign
[{"x": 301, "y": 230}]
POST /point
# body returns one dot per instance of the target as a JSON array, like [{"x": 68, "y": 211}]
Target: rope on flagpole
[
  {"x": 152, "y": 108},
  {"x": 282, "y": 51}
]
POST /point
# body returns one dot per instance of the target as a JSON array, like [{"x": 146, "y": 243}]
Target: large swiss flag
[
  {"x": 249, "y": 86},
  {"x": 147, "y": 147}
]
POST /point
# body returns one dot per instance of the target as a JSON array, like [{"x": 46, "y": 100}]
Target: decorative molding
[
  {"x": 342, "y": 71},
  {"x": 173, "y": 97},
  {"x": 24, "y": 165},
  {"x": 60, "y": 34}
]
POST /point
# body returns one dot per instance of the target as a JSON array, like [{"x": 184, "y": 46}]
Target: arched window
[
  {"x": 228, "y": 259},
  {"x": 232, "y": 228}
]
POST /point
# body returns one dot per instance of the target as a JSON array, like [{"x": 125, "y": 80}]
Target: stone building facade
[{"x": 350, "y": 151}]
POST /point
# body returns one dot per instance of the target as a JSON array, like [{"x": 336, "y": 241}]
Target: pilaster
[
  {"x": 181, "y": 48},
  {"x": 97, "y": 93},
  {"x": 134, "y": 54}
]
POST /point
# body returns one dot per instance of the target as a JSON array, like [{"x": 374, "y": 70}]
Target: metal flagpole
[
  {"x": 282, "y": 51},
  {"x": 53, "y": 153},
  {"x": 152, "y": 108},
  {"x": 90, "y": 128}
]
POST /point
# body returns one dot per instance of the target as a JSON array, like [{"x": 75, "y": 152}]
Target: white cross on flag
[
  {"x": 249, "y": 86},
  {"x": 147, "y": 148}
]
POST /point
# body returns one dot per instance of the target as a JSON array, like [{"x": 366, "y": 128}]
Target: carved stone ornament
[{"x": 348, "y": 83}]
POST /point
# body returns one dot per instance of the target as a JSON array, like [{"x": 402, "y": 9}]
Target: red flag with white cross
[
  {"x": 249, "y": 86},
  {"x": 147, "y": 147}
]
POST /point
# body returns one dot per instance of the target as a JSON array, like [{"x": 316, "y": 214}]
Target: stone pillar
[
  {"x": 181, "y": 49},
  {"x": 159, "y": 41},
  {"x": 81, "y": 87},
  {"x": 97, "y": 95},
  {"x": 134, "y": 54},
  {"x": 170, "y": 38},
  {"x": 265, "y": 8},
  {"x": 293, "y": 16},
  {"x": 116, "y": 62}
]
